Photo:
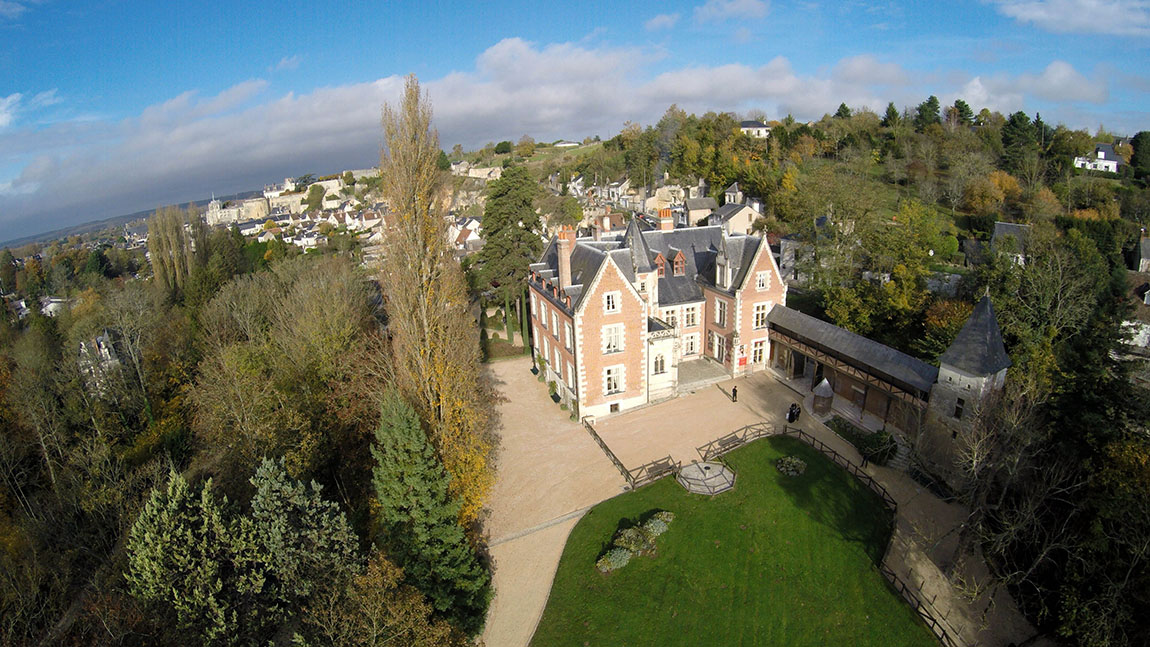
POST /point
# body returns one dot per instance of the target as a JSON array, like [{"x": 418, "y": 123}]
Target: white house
[
  {"x": 1103, "y": 159},
  {"x": 756, "y": 129}
]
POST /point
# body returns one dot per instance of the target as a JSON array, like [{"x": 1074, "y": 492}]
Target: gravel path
[{"x": 550, "y": 472}]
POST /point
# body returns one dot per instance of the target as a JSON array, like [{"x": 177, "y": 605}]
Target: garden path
[{"x": 549, "y": 472}]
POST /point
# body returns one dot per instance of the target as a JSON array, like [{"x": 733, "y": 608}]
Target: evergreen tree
[
  {"x": 964, "y": 112},
  {"x": 301, "y": 541},
  {"x": 927, "y": 113},
  {"x": 419, "y": 519},
  {"x": 843, "y": 112},
  {"x": 511, "y": 232},
  {"x": 1017, "y": 140},
  {"x": 891, "y": 117},
  {"x": 1141, "y": 158},
  {"x": 179, "y": 557}
]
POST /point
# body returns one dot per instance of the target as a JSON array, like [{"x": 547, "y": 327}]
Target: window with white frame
[
  {"x": 546, "y": 350},
  {"x": 643, "y": 287},
  {"x": 571, "y": 378},
  {"x": 611, "y": 302},
  {"x": 671, "y": 317},
  {"x": 570, "y": 338},
  {"x": 613, "y": 338},
  {"x": 762, "y": 281},
  {"x": 721, "y": 312},
  {"x": 555, "y": 323},
  {"x": 660, "y": 365},
  {"x": 543, "y": 317},
  {"x": 555, "y": 361},
  {"x": 760, "y": 316},
  {"x": 691, "y": 344},
  {"x": 613, "y": 380},
  {"x": 535, "y": 305},
  {"x": 689, "y": 317},
  {"x": 758, "y": 347},
  {"x": 538, "y": 336}
]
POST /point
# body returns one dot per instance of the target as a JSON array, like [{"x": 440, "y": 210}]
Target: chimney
[
  {"x": 596, "y": 232},
  {"x": 666, "y": 220},
  {"x": 565, "y": 243}
]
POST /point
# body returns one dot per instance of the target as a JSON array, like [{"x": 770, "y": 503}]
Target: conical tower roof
[
  {"x": 978, "y": 348},
  {"x": 640, "y": 252}
]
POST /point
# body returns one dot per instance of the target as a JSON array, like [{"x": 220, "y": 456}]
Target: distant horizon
[{"x": 185, "y": 101}]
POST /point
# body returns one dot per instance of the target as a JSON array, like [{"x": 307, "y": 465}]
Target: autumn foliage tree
[{"x": 435, "y": 348}]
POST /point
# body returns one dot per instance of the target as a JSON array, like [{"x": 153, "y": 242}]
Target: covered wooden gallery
[{"x": 874, "y": 382}]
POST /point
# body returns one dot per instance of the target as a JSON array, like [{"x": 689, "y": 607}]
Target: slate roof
[
  {"x": 978, "y": 348},
  {"x": 636, "y": 251},
  {"x": 896, "y": 367},
  {"x": 1144, "y": 248},
  {"x": 725, "y": 213},
  {"x": 734, "y": 188},
  {"x": 752, "y": 124},
  {"x": 1021, "y": 233},
  {"x": 700, "y": 203},
  {"x": 1108, "y": 153}
]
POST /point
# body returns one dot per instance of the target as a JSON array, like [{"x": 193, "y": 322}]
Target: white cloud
[
  {"x": 286, "y": 63},
  {"x": 244, "y": 137},
  {"x": 1061, "y": 82},
  {"x": 44, "y": 99},
  {"x": 9, "y": 9},
  {"x": 8, "y": 107},
  {"x": 1113, "y": 17},
  {"x": 662, "y": 21},
  {"x": 718, "y": 10},
  {"x": 865, "y": 68}
]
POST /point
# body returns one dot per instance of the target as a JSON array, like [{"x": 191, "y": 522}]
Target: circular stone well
[{"x": 706, "y": 478}]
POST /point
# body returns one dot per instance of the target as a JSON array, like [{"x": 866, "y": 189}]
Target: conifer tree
[
  {"x": 301, "y": 541},
  {"x": 418, "y": 519},
  {"x": 511, "y": 233},
  {"x": 179, "y": 555}
]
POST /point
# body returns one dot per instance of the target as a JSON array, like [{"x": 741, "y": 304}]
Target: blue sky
[{"x": 113, "y": 106}]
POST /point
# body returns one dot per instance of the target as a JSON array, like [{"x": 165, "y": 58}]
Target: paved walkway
[{"x": 550, "y": 472}]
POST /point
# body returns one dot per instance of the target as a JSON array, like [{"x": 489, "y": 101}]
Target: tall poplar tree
[{"x": 434, "y": 338}]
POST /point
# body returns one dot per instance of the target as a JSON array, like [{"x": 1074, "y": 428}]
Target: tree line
[{"x": 247, "y": 446}]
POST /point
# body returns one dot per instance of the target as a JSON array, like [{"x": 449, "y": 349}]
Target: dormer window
[
  {"x": 661, "y": 264},
  {"x": 680, "y": 265}
]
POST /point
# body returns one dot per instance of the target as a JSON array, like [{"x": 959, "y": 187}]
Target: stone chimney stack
[
  {"x": 666, "y": 220},
  {"x": 566, "y": 244}
]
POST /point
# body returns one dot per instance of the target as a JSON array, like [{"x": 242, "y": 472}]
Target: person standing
[{"x": 734, "y": 394}]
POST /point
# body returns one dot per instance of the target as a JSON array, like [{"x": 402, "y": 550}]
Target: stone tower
[{"x": 971, "y": 370}]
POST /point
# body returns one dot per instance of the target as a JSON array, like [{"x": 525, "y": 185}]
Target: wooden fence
[
  {"x": 610, "y": 454},
  {"x": 926, "y": 610},
  {"x": 652, "y": 471}
]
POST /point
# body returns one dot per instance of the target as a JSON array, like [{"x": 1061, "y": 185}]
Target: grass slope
[{"x": 777, "y": 561}]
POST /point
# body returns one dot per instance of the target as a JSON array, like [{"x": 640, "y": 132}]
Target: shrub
[
  {"x": 791, "y": 465},
  {"x": 655, "y": 527},
  {"x": 563, "y": 406},
  {"x": 666, "y": 516},
  {"x": 615, "y": 559},
  {"x": 878, "y": 447},
  {"x": 494, "y": 336},
  {"x": 635, "y": 539},
  {"x": 552, "y": 387}
]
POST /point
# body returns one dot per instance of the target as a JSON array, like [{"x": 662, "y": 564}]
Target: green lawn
[{"x": 777, "y": 561}]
